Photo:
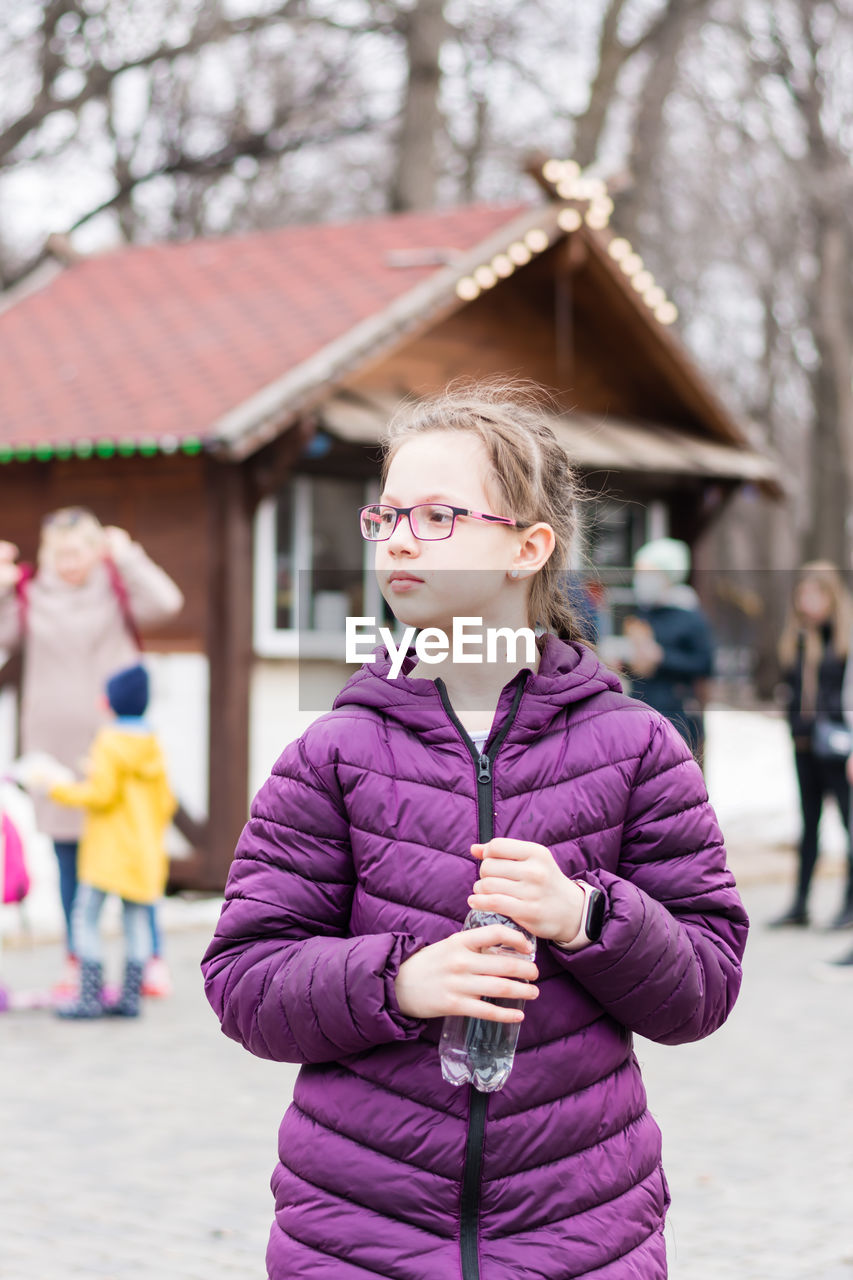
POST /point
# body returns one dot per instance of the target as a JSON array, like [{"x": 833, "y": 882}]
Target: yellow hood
[{"x": 136, "y": 752}]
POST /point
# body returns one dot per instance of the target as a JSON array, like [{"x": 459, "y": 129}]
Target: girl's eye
[{"x": 438, "y": 515}]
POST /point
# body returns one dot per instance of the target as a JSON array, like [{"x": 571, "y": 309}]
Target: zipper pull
[{"x": 484, "y": 773}]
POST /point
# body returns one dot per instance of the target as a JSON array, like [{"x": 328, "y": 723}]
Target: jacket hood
[
  {"x": 569, "y": 672},
  {"x": 137, "y": 753}
]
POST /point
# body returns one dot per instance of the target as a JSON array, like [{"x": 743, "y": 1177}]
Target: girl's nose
[{"x": 402, "y": 537}]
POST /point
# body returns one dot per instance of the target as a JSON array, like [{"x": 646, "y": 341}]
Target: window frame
[{"x": 270, "y": 641}]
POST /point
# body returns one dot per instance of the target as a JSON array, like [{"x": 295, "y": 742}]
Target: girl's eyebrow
[{"x": 430, "y": 497}]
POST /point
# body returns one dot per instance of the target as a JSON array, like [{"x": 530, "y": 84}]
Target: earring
[{"x": 513, "y": 573}]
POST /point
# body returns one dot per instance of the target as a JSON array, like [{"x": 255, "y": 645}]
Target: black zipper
[{"x": 469, "y": 1207}]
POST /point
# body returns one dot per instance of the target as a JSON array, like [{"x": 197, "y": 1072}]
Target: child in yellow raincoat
[{"x": 128, "y": 804}]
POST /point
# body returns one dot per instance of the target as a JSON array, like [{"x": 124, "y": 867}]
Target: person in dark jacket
[
  {"x": 813, "y": 654},
  {"x": 671, "y": 646},
  {"x": 340, "y": 943}
]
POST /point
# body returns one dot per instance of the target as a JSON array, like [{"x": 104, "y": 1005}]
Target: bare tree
[{"x": 425, "y": 29}]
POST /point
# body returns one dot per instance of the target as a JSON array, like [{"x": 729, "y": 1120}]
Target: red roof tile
[{"x": 161, "y": 341}]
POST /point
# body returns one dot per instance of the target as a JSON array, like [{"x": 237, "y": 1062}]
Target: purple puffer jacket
[{"x": 357, "y": 855}]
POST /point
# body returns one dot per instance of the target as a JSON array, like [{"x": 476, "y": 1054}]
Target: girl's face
[
  {"x": 73, "y": 556},
  {"x": 465, "y": 575},
  {"x": 813, "y": 601}
]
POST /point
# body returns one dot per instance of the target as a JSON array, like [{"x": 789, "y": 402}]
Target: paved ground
[{"x": 142, "y": 1151}]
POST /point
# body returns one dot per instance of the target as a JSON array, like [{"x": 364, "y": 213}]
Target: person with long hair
[
  {"x": 529, "y": 786},
  {"x": 76, "y": 621},
  {"x": 813, "y": 654}
]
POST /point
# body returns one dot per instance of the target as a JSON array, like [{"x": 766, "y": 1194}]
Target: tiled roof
[{"x": 156, "y": 343}]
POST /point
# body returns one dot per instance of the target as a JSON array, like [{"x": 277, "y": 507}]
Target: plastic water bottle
[{"x": 475, "y": 1050}]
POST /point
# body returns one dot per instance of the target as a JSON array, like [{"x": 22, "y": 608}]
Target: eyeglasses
[{"x": 428, "y": 521}]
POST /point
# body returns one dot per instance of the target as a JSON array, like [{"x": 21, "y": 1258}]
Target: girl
[
  {"x": 76, "y": 622},
  {"x": 340, "y": 944},
  {"x": 813, "y": 656}
]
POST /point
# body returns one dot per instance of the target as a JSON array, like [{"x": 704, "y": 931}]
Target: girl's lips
[{"x": 404, "y": 584}]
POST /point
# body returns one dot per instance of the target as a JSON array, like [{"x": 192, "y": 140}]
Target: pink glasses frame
[{"x": 456, "y": 511}]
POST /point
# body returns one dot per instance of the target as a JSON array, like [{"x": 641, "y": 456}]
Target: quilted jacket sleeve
[
  {"x": 282, "y": 973},
  {"x": 667, "y": 964}
]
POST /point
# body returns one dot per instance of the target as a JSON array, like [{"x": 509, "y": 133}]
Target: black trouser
[{"x": 818, "y": 777}]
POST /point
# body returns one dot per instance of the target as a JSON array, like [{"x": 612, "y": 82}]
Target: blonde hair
[
  {"x": 68, "y": 522},
  {"x": 531, "y": 478},
  {"x": 799, "y": 630}
]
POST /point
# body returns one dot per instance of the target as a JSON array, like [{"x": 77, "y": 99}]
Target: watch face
[{"x": 595, "y": 915}]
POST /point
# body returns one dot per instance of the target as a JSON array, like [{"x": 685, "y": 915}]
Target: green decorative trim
[{"x": 83, "y": 449}]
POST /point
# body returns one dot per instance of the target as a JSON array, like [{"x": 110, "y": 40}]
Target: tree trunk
[
  {"x": 414, "y": 184},
  {"x": 611, "y": 59},
  {"x": 828, "y": 537},
  {"x": 648, "y": 129}
]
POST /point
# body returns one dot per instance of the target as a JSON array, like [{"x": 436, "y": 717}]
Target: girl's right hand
[{"x": 452, "y": 976}]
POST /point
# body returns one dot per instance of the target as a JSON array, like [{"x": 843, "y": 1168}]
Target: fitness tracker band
[{"x": 592, "y": 920}]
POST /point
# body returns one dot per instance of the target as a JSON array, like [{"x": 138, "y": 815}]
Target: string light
[
  {"x": 502, "y": 266},
  {"x": 654, "y": 297},
  {"x": 467, "y": 289},
  {"x": 485, "y": 277},
  {"x": 569, "y": 219},
  {"x": 596, "y": 219},
  {"x": 552, "y": 170},
  {"x": 536, "y": 239},
  {"x": 642, "y": 281},
  {"x": 101, "y": 448},
  {"x": 667, "y": 312},
  {"x": 631, "y": 264},
  {"x": 619, "y": 248},
  {"x": 519, "y": 253}
]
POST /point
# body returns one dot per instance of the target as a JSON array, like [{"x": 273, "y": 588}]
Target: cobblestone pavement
[{"x": 142, "y": 1151}]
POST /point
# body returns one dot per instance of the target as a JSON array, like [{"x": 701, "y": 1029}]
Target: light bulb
[
  {"x": 518, "y": 253},
  {"x": 642, "y": 281},
  {"x": 467, "y": 289},
  {"x": 552, "y": 170},
  {"x": 654, "y": 296},
  {"x": 569, "y": 219},
  {"x": 502, "y": 266},
  {"x": 619, "y": 248},
  {"x": 536, "y": 239},
  {"x": 631, "y": 264},
  {"x": 667, "y": 312},
  {"x": 485, "y": 277}
]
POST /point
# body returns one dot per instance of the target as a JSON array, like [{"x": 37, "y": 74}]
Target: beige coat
[{"x": 76, "y": 638}]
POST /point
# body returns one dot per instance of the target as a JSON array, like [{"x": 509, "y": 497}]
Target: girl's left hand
[{"x": 520, "y": 879}]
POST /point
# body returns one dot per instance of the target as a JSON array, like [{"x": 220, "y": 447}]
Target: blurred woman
[
  {"x": 813, "y": 652},
  {"x": 76, "y": 621}
]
